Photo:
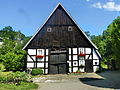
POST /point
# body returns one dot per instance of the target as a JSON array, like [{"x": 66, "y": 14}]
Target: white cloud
[
  {"x": 97, "y": 5},
  {"x": 87, "y": 0},
  {"x": 110, "y": 6}
]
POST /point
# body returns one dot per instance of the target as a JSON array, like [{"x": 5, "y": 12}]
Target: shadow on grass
[{"x": 111, "y": 79}]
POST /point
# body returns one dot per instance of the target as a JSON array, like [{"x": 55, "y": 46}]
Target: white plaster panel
[
  {"x": 30, "y": 65},
  {"x": 88, "y": 50},
  {"x": 69, "y": 69},
  {"x": 95, "y": 62},
  {"x": 46, "y": 71},
  {"x": 75, "y": 69},
  {"x": 69, "y": 57},
  {"x": 40, "y": 64},
  {"x": 81, "y": 62},
  {"x": 32, "y": 51},
  {"x": 69, "y": 50},
  {"x": 40, "y": 51},
  {"x": 82, "y": 69},
  {"x": 29, "y": 59},
  {"x": 46, "y": 65},
  {"x": 69, "y": 64},
  {"x": 75, "y": 57},
  {"x": 95, "y": 55},
  {"x": 47, "y": 51},
  {"x": 40, "y": 59},
  {"x": 46, "y": 58},
  {"x": 74, "y": 50},
  {"x": 75, "y": 63},
  {"x": 95, "y": 68}
]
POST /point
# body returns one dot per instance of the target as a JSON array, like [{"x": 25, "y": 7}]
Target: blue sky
[{"x": 28, "y": 15}]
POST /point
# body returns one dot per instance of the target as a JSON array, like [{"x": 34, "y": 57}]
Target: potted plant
[
  {"x": 39, "y": 56},
  {"x": 81, "y": 54}
]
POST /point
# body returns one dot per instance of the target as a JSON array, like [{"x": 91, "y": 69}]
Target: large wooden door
[
  {"x": 88, "y": 65},
  {"x": 57, "y": 63}
]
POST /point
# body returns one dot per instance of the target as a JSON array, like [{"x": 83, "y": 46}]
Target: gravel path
[{"x": 86, "y": 81}]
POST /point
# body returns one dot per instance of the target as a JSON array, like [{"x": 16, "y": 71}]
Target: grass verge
[{"x": 22, "y": 86}]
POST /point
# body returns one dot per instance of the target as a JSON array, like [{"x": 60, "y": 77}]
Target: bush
[
  {"x": 15, "y": 77},
  {"x": 13, "y": 62},
  {"x": 2, "y": 67},
  {"x": 18, "y": 76},
  {"x": 36, "y": 71},
  {"x": 3, "y": 76}
]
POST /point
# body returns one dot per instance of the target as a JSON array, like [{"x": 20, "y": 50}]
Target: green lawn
[
  {"x": 10, "y": 86},
  {"x": 22, "y": 86}
]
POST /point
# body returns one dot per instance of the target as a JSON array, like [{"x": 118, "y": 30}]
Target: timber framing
[{"x": 60, "y": 46}]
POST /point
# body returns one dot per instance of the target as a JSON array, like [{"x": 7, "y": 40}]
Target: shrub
[
  {"x": 36, "y": 71},
  {"x": 15, "y": 77},
  {"x": 3, "y": 76},
  {"x": 13, "y": 62},
  {"x": 2, "y": 67},
  {"x": 18, "y": 76},
  {"x": 78, "y": 71}
]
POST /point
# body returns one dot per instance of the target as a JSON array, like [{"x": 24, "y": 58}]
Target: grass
[
  {"x": 22, "y": 86},
  {"x": 11, "y": 86}
]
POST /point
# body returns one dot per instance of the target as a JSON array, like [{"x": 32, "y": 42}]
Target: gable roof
[{"x": 59, "y": 4}]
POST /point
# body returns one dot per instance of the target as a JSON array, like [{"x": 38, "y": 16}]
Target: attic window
[
  {"x": 70, "y": 28},
  {"x": 49, "y": 29}
]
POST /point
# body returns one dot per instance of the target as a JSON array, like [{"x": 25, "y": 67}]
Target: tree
[
  {"x": 115, "y": 34},
  {"x": 11, "y": 53}
]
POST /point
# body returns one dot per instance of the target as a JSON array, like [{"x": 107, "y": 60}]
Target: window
[
  {"x": 70, "y": 28},
  {"x": 96, "y": 63},
  {"x": 39, "y": 52},
  {"x": 49, "y": 29}
]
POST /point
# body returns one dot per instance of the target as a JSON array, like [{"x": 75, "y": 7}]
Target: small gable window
[
  {"x": 49, "y": 29},
  {"x": 70, "y": 28}
]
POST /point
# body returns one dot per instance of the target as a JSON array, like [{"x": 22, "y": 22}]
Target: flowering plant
[
  {"x": 81, "y": 54},
  {"x": 39, "y": 56}
]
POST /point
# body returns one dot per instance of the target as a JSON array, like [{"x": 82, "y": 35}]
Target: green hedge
[{"x": 36, "y": 71}]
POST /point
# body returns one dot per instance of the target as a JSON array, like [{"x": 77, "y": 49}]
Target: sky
[{"x": 29, "y": 15}]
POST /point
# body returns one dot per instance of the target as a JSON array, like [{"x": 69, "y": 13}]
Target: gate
[{"x": 58, "y": 62}]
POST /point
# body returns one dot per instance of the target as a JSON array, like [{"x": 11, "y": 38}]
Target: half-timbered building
[{"x": 60, "y": 46}]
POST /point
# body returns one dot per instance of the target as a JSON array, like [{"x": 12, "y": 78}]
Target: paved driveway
[{"x": 88, "y": 81}]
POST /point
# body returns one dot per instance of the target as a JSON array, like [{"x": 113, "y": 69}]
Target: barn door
[
  {"x": 88, "y": 65},
  {"x": 57, "y": 63}
]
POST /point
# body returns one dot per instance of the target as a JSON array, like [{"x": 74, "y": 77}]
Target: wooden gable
[{"x": 55, "y": 32}]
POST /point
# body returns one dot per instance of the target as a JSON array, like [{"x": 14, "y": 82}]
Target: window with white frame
[
  {"x": 49, "y": 29},
  {"x": 40, "y": 52},
  {"x": 70, "y": 28}
]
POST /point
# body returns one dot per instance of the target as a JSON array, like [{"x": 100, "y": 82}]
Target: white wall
[
  {"x": 29, "y": 59},
  {"x": 88, "y": 50},
  {"x": 74, "y": 50},
  {"x": 95, "y": 68},
  {"x": 46, "y": 71},
  {"x": 32, "y": 51},
  {"x": 75, "y": 57},
  {"x": 40, "y": 65},
  {"x": 95, "y": 56},
  {"x": 30, "y": 65},
  {"x": 75, "y": 69},
  {"x": 95, "y": 62}
]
